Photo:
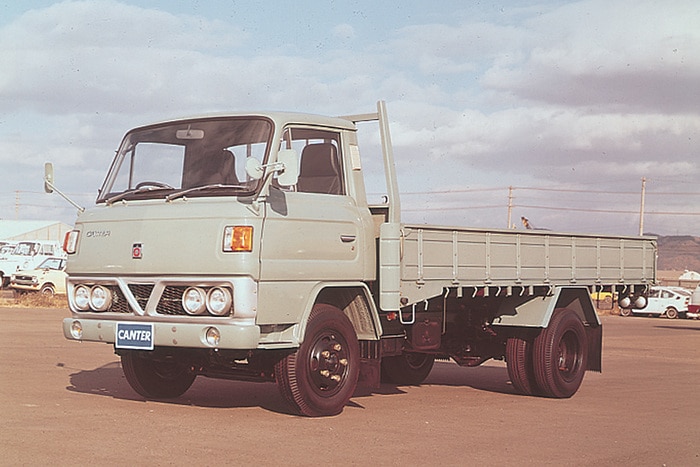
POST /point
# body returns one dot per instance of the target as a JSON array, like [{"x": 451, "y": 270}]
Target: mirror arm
[
  {"x": 255, "y": 204},
  {"x": 63, "y": 195}
]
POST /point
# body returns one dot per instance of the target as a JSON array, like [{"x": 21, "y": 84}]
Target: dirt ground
[{"x": 64, "y": 402}]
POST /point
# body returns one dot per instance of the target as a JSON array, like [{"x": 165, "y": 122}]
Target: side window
[{"x": 320, "y": 168}]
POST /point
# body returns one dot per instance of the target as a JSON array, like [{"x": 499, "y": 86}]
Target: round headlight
[
  {"x": 81, "y": 298},
  {"x": 194, "y": 301},
  {"x": 100, "y": 298},
  {"x": 219, "y": 301}
]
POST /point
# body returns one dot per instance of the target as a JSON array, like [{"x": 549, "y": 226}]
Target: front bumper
[
  {"x": 169, "y": 334},
  {"x": 25, "y": 287}
]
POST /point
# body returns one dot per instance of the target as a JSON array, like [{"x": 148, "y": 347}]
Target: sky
[{"x": 574, "y": 114}]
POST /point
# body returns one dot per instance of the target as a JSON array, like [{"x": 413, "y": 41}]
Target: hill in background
[{"x": 678, "y": 253}]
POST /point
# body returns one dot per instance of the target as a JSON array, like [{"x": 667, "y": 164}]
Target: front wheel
[
  {"x": 671, "y": 313},
  {"x": 407, "y": 368},
  {"x": 320, "y": 377},
  {"x": 161, "y": 377},
  {"x": 560, "y": 355}
]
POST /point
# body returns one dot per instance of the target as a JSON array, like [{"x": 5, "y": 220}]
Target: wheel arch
[
  {"x": 538, "y": 312},
  {"x": 354, "y": 300}
]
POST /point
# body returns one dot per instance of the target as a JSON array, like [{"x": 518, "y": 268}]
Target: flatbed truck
[{"x": 242, "y": 246}]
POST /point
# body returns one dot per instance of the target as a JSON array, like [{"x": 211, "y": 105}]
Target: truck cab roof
[{"x": 279, "y": 118}]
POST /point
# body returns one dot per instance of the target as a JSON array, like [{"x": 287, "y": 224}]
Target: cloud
[
  {"x": 616, "y": 55},
  {"x": 575, "y": 94}
]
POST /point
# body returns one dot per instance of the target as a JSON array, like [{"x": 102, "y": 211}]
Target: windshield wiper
[
  {"x": 133, "y": 191},
  {"x": 181, "y": 193}
]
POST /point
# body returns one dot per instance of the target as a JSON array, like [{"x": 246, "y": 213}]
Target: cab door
[{"x": 313, "y": 231}]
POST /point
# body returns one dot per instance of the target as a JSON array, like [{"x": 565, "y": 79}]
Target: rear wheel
[
  {"x": 159, "y": 378},
  {"x": 671, "y": 313},
  {"x": 320, "y": 377},
  {"x": 560, "y": 355},
  {"x": 520, "y": 368},
  {"x": 407, "y": 368},
  {"x": 625, "y": 311}
]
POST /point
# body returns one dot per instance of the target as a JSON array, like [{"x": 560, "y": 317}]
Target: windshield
[
  {"x": 206, "y": 157},
  {"x": 53, "y": 263}
]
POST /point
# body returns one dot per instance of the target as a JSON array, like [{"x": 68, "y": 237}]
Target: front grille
[
  {"x": 141, "y": 292},
  {"x": 119, "y": 303},
  {"x": 170, "y": 302}
]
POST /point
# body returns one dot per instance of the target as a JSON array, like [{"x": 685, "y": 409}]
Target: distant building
[
  {"x": 33, "y": 230},
  {"x": 689, "y": 276}
]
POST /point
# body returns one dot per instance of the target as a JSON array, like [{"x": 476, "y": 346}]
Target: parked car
[
  {"x": 604, "y": 300},
  {"x": 669, "y": 301},
  {"x": 49, "y": 278},
  {"x": 694, "y": 305}
]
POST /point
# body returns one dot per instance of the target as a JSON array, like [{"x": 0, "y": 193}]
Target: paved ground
[{"x": 64, "y": 403}]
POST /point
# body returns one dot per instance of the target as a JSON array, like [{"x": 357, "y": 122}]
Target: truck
[{"x": 242, "y": 246}]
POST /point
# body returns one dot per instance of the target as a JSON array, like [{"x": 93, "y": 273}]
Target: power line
[{"x": 608, "y": 211}]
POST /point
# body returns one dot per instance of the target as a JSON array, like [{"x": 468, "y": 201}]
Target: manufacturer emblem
[{"x": 137, "y": 251}]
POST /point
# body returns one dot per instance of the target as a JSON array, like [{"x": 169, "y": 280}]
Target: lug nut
[
  {"x": 325, "y": 354},
  {"x": 337, "y": 347},
  {"x": 325, "y": 373},
  {"x": 336, "y": 378},
  {"x": 343, "y": 361}
]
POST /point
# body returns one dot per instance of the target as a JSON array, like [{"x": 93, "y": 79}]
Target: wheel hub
[{"x": 329, "y": 363}]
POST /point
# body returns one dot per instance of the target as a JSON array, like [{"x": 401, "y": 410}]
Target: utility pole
[
  {"x": 510, "y": 206},
  {"x": 16, "y": 204},
  {"x": 641, "y": 207}
]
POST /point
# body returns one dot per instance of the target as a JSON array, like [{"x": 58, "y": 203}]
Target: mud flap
[
  {"x": 370, "y": 364},
  {"x": 594, "y": 335}
]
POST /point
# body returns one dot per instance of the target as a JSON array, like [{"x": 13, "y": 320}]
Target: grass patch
[{"x": 35, "y": 300}]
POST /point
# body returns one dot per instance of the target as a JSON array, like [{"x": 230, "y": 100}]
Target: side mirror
[
  {"x": 290, "y": 171},
  {"x": 254, "y": 168},
  {"x": 48, "y": 177},
  {"x": 287, "y": 167}
]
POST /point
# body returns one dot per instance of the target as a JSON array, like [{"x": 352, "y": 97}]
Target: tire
[
  {"x": 671, "y": 313},
  {"x": 520, "y": 368},
  {"x": 48, "y": 290},
  {"x": 560, "y": 355},
  {"x": 321, "y": 376},
  {"x": 625, "y": 312},
  {"x": 156, "y": 378},
  {"x": 407, "y": 368}
]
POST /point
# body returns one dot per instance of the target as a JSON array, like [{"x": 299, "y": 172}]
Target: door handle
[{"x": 347, "y": 238}]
